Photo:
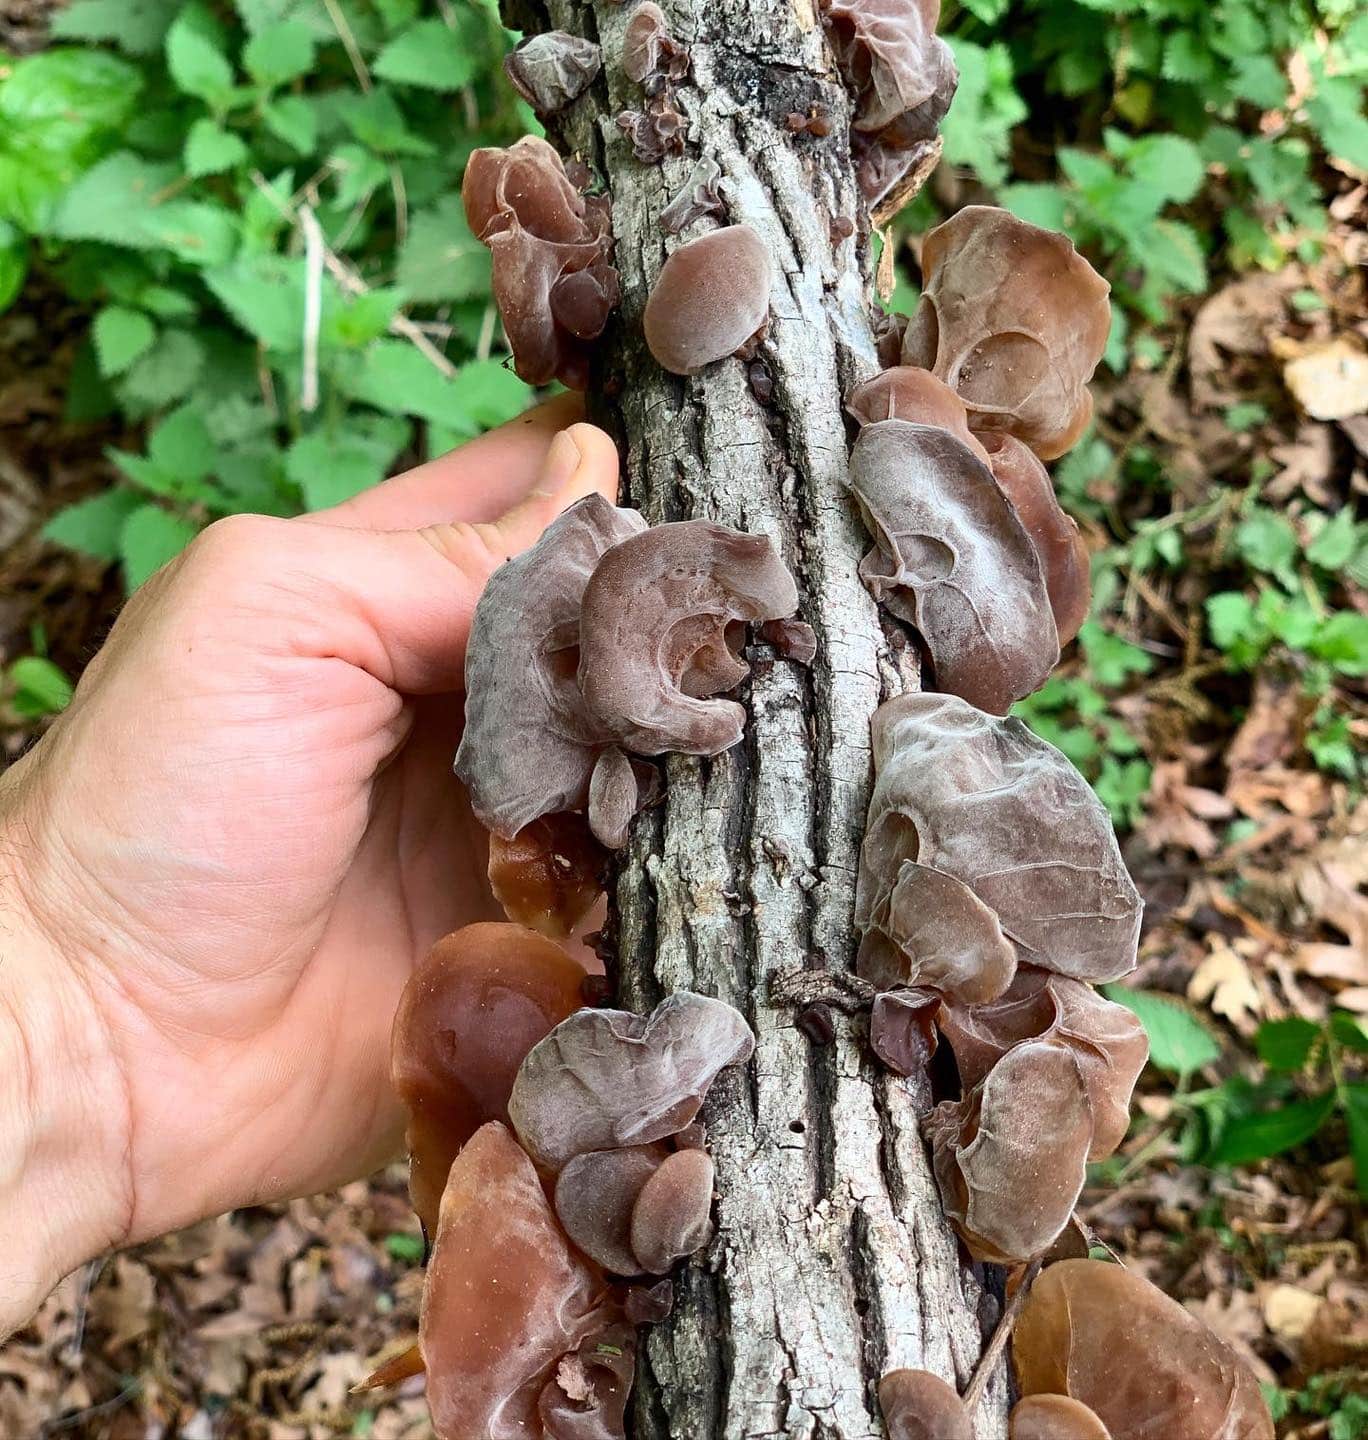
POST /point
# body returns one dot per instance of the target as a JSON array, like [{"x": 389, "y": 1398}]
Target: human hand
[{"x": 229, "y": 852}]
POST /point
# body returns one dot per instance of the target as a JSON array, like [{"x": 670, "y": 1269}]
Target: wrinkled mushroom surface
[
  {"x": 1105, "y": 1336},
  {"x": 672, "y": 1216},
  {"x": 987, "y": 801},
  {"x": 917, "y": 1405},
  {"x": 952, "y": 558},
  {"x": 904, "y": 392},
  {"x": 482, "y": 998},
  {"x": 504, "y": 1297},
  {"x": 1055, "y": 1417},
  {"x": 529, "y": 746},
  {"x": 554, "y": 280},
  {"x": 1011, "y": 1157},
  {"x": 552, "y": 69},
  {"x": 711, "y": 296},
  {"x": 902, "y": 1029},
  {"x": 701, "y": 195},
  {"x": 595, "y": 1194},
  {"x": 1107, "y": 1040},
  {"x": 547, "y": 876},
  {"x": 608, "y": 1078},
  {"x": 1014, "y": 320},
  {"x": 656, "y": 131},
  {"x": 660, "y": 615},
  {"x": 587, "y": 1397},
  {"x": 650, "y": 54}
]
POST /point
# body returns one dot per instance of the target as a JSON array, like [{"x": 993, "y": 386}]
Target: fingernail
[{"x": 558, "y": 469}]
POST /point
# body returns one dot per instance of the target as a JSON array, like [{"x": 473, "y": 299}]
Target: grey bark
[{"x": 833, "y": 1261}]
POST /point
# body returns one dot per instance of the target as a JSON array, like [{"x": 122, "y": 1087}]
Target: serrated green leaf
[
  {"x": 121, "y": 335},
  {"x": 1246, "y": 1138},
  {"x": 169, "y": 370},
  {"x": 360, "y": 319},
  {"x": 428, "y": 54},
  {"x": 93, "y": 526},
  {"x": 39, "y": 687},
  {"x": 1179, "y": 1042},
  {"x": 138, "y": 27},
  {"x": 197, "y": 65},
  {"x": 1170, "y": 164},
  {"x": 329, "y": 468},
  {"x": 291, "y": 119},
  {"x": 377, "y": 121},
  {"x": 279, "y": 53},
  {"x": 151, "y": 536},
  {"x": 1286, "y": 1044},
  {"x": 180, "y": 446},
  {"x": 1267, "y": 542},
  {"x": 1043, "y": 205},
  {"x": 1336, "y": 111},
  {"x": 1343, "y": 641},
  {"x": 210, "y": 150},
  {"x": 491, "y": 393},
  {"x": 1173, "y": 252},
  {"x": 1336, "y": 541},
  {"x": 441, "y": 259},
  {"x": 392, "y": 376}
]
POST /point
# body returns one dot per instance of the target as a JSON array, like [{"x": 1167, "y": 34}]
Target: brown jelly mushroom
[
  {"x": 795, "y": 640},
  {"x": 700, "y": 196},
  {"x": 505, "y": 1296},
  {"x": 672, "y": 1216},
  {"x": 607, "y": 1078},
  {"x": 547, "y": 876},
  {"x": 658, "y": 631},
  {"x": 902, "y": 1029},
  {"x": 587, "y": 1397},
  {"x": 1014, "y": 320},
  {"x": 1055, "y": 1417},
  {"x": 1148, "y": 1369},
  {"x": 529, "y": 746},
  {"x": 952, "y": 558},
  {"x": 656, "y": 131},
  {"x": 612, "y": 798},
  {"x": 649, "y": 1304},
  {"x": 1011, "y": 1157},
  {"x": 554, "y": 281},
  {"x": 905, "y": 392},
  {"x": 595, "y": 1194},
  {"x": 987, "y": 801},
  {"x": 917, "y": 1405},
  {"x": 711, "y": 296},
  {"x": 1107, "y": 1040},
  {"x": 1055, "y": 535},
  {"x": 649, "y": 52},
  {"x": 482, "y": 998},
  {"x": 552, "y": 69}
]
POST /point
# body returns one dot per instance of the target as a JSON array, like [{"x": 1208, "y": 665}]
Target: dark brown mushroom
[
  {"x": 656, "y": 131},
  {"x": 902, "y": 1029},
  {"x": 552, "y": 69},
  {"x": 952, "y": 558},
  {"x": 659, "y": 629},
  {"x": 1055, "y": 1417},
  {"x": 712, "y": 295},
  {"x": 613, "y": 795},
  {"x": 548, "y": 876},
  {"x": 650, "y": 54},
  {"x": 700, "y": 196},
  {"x": 905, "y": 392},
  {"x": 917, "y": 1405},
  {"x": 587, "y": 1398},
  {"x": 672, "y": 1216},
  {"x": 595, "y": 1194}
]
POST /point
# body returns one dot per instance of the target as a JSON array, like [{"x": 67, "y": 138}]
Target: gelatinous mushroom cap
[
  {"x": 711, "y": 296},
  {"x": 902, "y": 1029},
  {"x": 1055, "y": 1417},
  {"x": 547, "y": 876},
  {"x": 595, "y": 1194},
  {"x": 607, "y": 1078},
  {"x": 552, "y": 69},
  {"x": 529, "y": 747},
  {"x": 917, "y": 1405},
  {"x": 482, "y": 998},
  {"x": 1014, "y": 320},
  {"x": 659, "y": 629},
  {"x": 649, "y": 52},
  {"x": 952, "y": 558},
  {"x": 672, "y": 1216},
  {"x": 699, "y": 196},
  {"x": 1108, "y": 1042},
  {"x": 1106, "y": 1337},
  {"x": 1055, "y": 535},
  {"x": 1011, "y": 1157},
  {"x": 587, "y": 1397},
  {"x": 504, "y": 1298},
  {"x": 985, "y": 800},
  {"x": 905, "y": 392}
]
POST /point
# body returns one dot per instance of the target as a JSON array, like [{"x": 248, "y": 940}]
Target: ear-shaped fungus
[
  {"x": 1011, "y": 1157},
  {"x": 672, "y": 1216},
  {"x": 701, "y": 195},
  {"x": 660, "y": 617},
  {"x": 482, "y": 998},
  {"x": 547, "y": 876},
  {"x": 529, "y": 747},
  {"x": 712, "y": 295},
  {"x": 1055, "y": 1417},
  {"x": 917, "y": 1405},
  {"x": 902, "y": 1029},
  {"x": 1106, "y": 1337},
  {"x": 607, "y": 1078},
  {"x": 505, "y": 1296},
  {"x": 1107, "y": 1041},
  {"x": 904, "y": 392},
  {"x": 554, "y": 281},
  {"x": 952, "y": 558},
  {"x": 650, "y": 54},
  {"x": 656, "y": 131},
  {"x": 552, "y": 69},
  {"x": 587, "y": 1399},
  {"x": 1014, "y": 320},
  {"x": 988, "y": 802},
  {"x": 595, "y": 1194}
]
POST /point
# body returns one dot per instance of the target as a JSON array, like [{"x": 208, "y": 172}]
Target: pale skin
[{"x": 220, "y": 865}]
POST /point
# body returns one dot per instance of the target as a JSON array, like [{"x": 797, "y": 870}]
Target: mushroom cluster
[
  {"x": 556, "y": 1160},
  {"x": 972, "y": 547},
  {"x": 990, "y": 892},
  {"x": 606, "y": 641},
  {"x": 655, "y": 60}
]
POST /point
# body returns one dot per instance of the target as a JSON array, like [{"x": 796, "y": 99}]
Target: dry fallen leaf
[
  {"x": 1289, "y": 1310},
  {"x": 1223, "y": 980},
  {"x": 1329, "y": 379}
]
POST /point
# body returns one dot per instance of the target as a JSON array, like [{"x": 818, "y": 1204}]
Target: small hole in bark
[{"x": 798, "y": 1127}]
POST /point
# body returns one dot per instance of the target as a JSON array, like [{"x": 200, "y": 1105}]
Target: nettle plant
[{"x": 559, "y": 1164}]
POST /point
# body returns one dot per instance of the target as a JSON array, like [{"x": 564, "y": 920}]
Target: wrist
[{"x": 64, "y": 1188}]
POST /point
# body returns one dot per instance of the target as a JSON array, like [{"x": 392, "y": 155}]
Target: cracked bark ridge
[{"x": 832, "y": 1261}]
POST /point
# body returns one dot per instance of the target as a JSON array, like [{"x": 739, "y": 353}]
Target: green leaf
[
  {"x": 121, "y": 335},
  {"x": 180, "y": 446},
  {"x": 409, "y": 1248},
  {"x": 291, "y": 119},
  {"x": 377, "y": 121},
  {"x": 93, "y": 526},
  {"x": 138, "y": 27},
  {"x": 1043, "y": 205},
  {"x": 1350, "y": 1031},
  {"x": 1267, "y": 542},
  {"x": 1336, "y": 111},
  {"x": 1286, "y": 1044},
  {"x": 40, "y": 688},
  {"x": 331, "y": 468},
  {"x": 197, "y": 65},
  {"x": 394, "y": 377},
  {"x": 428, "y": 54},
  {"x": 1343, "y": 641},
  {"x": 151, "y": 536},
  {"x": 265, "y": 295},
  {"x": 1110, "y": 658},
  {"x": 441, "y": 259},
  {"x": 362, "y": 318},
  {"x": 1173, "y": 253},
  {"x": 1170, "y": 164},
  {"x": 1336, "y": 540},
  {"x": 1269, "y": 1132},
  {"x": 491, "y": 394},
  {"x": 210, "y": 150},
  {"x": 1355, "y": 1099},
  {"x": 279, "y": 53},
  {"x": 1179, "y": 1042},
  {"x": 169, "y": 370},
  {"x": 13, "y": 264}
]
